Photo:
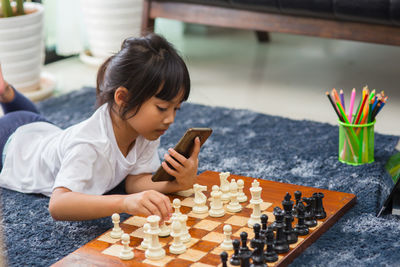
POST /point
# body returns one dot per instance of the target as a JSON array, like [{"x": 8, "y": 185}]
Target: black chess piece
[
  {"x": 264, "y": 222},
  {"x": 273, "y": 224},
  {"x": 309, "y": 217},
  {"x": 245, "y": 260},
  {"x": 258, "y": 254},
  {"x": 224, "y": 258},
  {"x": 270, "y": 254},
  {"x": 297, "y": 197},
  {"x": 287, "y": 205},
  {"x": 291, "y": 235},
  {"x": 280, "y": 243},
  {"x": 244, "y": 249},
  {"x": 256, "y": 229},
  {"x": 301, "y": 229},
  {"x": 319, "y": 209},
  {"x": 235, "y": 259}
]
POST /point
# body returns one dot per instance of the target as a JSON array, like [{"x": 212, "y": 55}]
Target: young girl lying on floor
[{"x": 139, "y": 91}]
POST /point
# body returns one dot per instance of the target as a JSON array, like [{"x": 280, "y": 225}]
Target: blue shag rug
[{"x": 244, "y": 143}]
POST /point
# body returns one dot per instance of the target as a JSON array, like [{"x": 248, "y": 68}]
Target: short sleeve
[
  {"x": 148, "y": 160},
  {"x": 84, "y": 170}
]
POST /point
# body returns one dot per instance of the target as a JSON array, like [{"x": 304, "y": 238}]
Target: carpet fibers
[{"x": 244, "y": 143}]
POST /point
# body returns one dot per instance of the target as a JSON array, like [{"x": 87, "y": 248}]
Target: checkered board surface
[{"x": 206, "y": 232}]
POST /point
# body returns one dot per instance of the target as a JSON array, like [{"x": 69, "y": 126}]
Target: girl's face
[{"x": 155, "y": 116}]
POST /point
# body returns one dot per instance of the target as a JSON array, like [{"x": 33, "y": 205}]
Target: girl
[{"x": 139, "y": 91}]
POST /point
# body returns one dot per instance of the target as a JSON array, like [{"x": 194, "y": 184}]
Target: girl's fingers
[
  {"x": 178, "y": 157},
  {"x": 173, "y": 162},
  {"x": 196, "y": 148},
  {"x": 149, "y": 205},
  {"x": 168, "y": 169}
]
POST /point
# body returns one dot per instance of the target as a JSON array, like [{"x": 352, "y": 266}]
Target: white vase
[
  {"x": 108, "y": 23},
  {"x": 22, "y": 48}
]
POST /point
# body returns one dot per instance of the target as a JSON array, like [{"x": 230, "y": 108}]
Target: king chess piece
[{"x": 287, "y": 205}]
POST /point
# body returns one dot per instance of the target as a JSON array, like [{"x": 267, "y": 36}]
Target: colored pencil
[
  {"x": 353, "y": 134},
  {"x": 335, "y": 95},
  {"x": 353, "y": 96},
  {"x": 334, "y": 106},
  {"x": 342, "y": 100},
  {"x": 361, "y": 108}
]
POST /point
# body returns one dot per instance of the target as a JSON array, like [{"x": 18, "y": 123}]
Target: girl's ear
[{"x": 121, "y": 96}]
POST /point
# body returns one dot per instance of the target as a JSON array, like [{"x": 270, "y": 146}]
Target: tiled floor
[{"x": 288, "y": 76}]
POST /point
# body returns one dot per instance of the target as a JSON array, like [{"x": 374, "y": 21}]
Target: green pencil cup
[{"x": 356, "y": 143}]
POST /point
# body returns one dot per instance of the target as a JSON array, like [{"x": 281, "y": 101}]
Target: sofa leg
[
  {"x": 262, "y": 37},
  {"x": 147, "y": 22}
]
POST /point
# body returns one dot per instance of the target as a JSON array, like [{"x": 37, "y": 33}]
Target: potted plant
[
  {"x": 22, "y": 47},
  {"x": 107, "y": 24}
]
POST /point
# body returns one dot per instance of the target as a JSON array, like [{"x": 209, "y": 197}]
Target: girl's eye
[{"x": 161, "y": 108}]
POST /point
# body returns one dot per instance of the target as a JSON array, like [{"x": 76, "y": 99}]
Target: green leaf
[{"x": 6, "y": 7}]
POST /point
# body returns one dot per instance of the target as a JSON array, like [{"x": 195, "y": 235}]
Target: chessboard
[{"x": 207, "y": 232}]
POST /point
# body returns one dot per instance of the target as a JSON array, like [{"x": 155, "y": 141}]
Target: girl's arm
[
  {"x": 72, "y": 206},
  {"x": 141, "y": 182}
]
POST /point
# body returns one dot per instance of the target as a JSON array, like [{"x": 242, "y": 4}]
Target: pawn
[
  {"x": 256, "y": 229},
  {"x": 227, "y": 243},
  {"x": 164, "y": 230},
  {"x": 264, "y": 221},
  {"x": 116, "y": 231},
  {"x": 241, "y": 195},
  {"x": 309, "y": 217},
  {"x": 147, "y": 236},
  {"x": 176, "y": 204},
  {"x": 177, "y": 246},
  {"x": 224, "y": 258},
  {"x": 235, "y": 259},
  {"x": 258, "y": 254},
  {"x": 270, "y": 255},
  {"x": 126, "y": 253},
  {"x": 301, "y": 229},
  {"x": 244, "y": 249}
]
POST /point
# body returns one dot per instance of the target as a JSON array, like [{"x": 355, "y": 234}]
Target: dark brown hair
[{"x": 142, "y": 66}]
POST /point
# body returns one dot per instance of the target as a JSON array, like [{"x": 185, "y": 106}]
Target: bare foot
[{"x": 6, "y": 92}]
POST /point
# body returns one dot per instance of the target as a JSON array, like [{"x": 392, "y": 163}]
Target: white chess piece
[
  {"x": 147, "y": 237},
  {"x": 176, "y": 204},
  {"x": 116, "y": 231},
  {"x": 185, "y": 236},
  {"x": 233, "y": 205},
  {"x": 241, "y": 196},
  {"x": 227, "y": 243},
  {"x": 155, "y": 250},
  {"x": 256, "y": 201},
  {"x": 199, "y": 199},
  {"x": 177, "y": 246},
  {"x": 164, "y": 230},
  {"x": 216, "y": 205},
  {"x": 224, "y": 186},
  {"x": 126, "y": 253}
]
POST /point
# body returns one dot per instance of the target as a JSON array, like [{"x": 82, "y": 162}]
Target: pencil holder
[{"x": 356, "y": 143}]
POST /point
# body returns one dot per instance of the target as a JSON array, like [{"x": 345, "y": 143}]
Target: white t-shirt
[{"x": 83, "y": 158}]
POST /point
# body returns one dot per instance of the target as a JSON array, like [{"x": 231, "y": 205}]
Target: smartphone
[{"x": 184, "y": 147}]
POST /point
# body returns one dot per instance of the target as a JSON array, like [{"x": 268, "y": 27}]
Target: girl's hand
[
  {"x": 2, "y": 82},
  {"x": 147, "y": 203},
  {"x": 185, "y": 168}
]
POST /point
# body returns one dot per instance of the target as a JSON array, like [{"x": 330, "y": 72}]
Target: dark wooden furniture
[
  {"x": 336, "y": 204},
  {"x": 264, "y": 22}
]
